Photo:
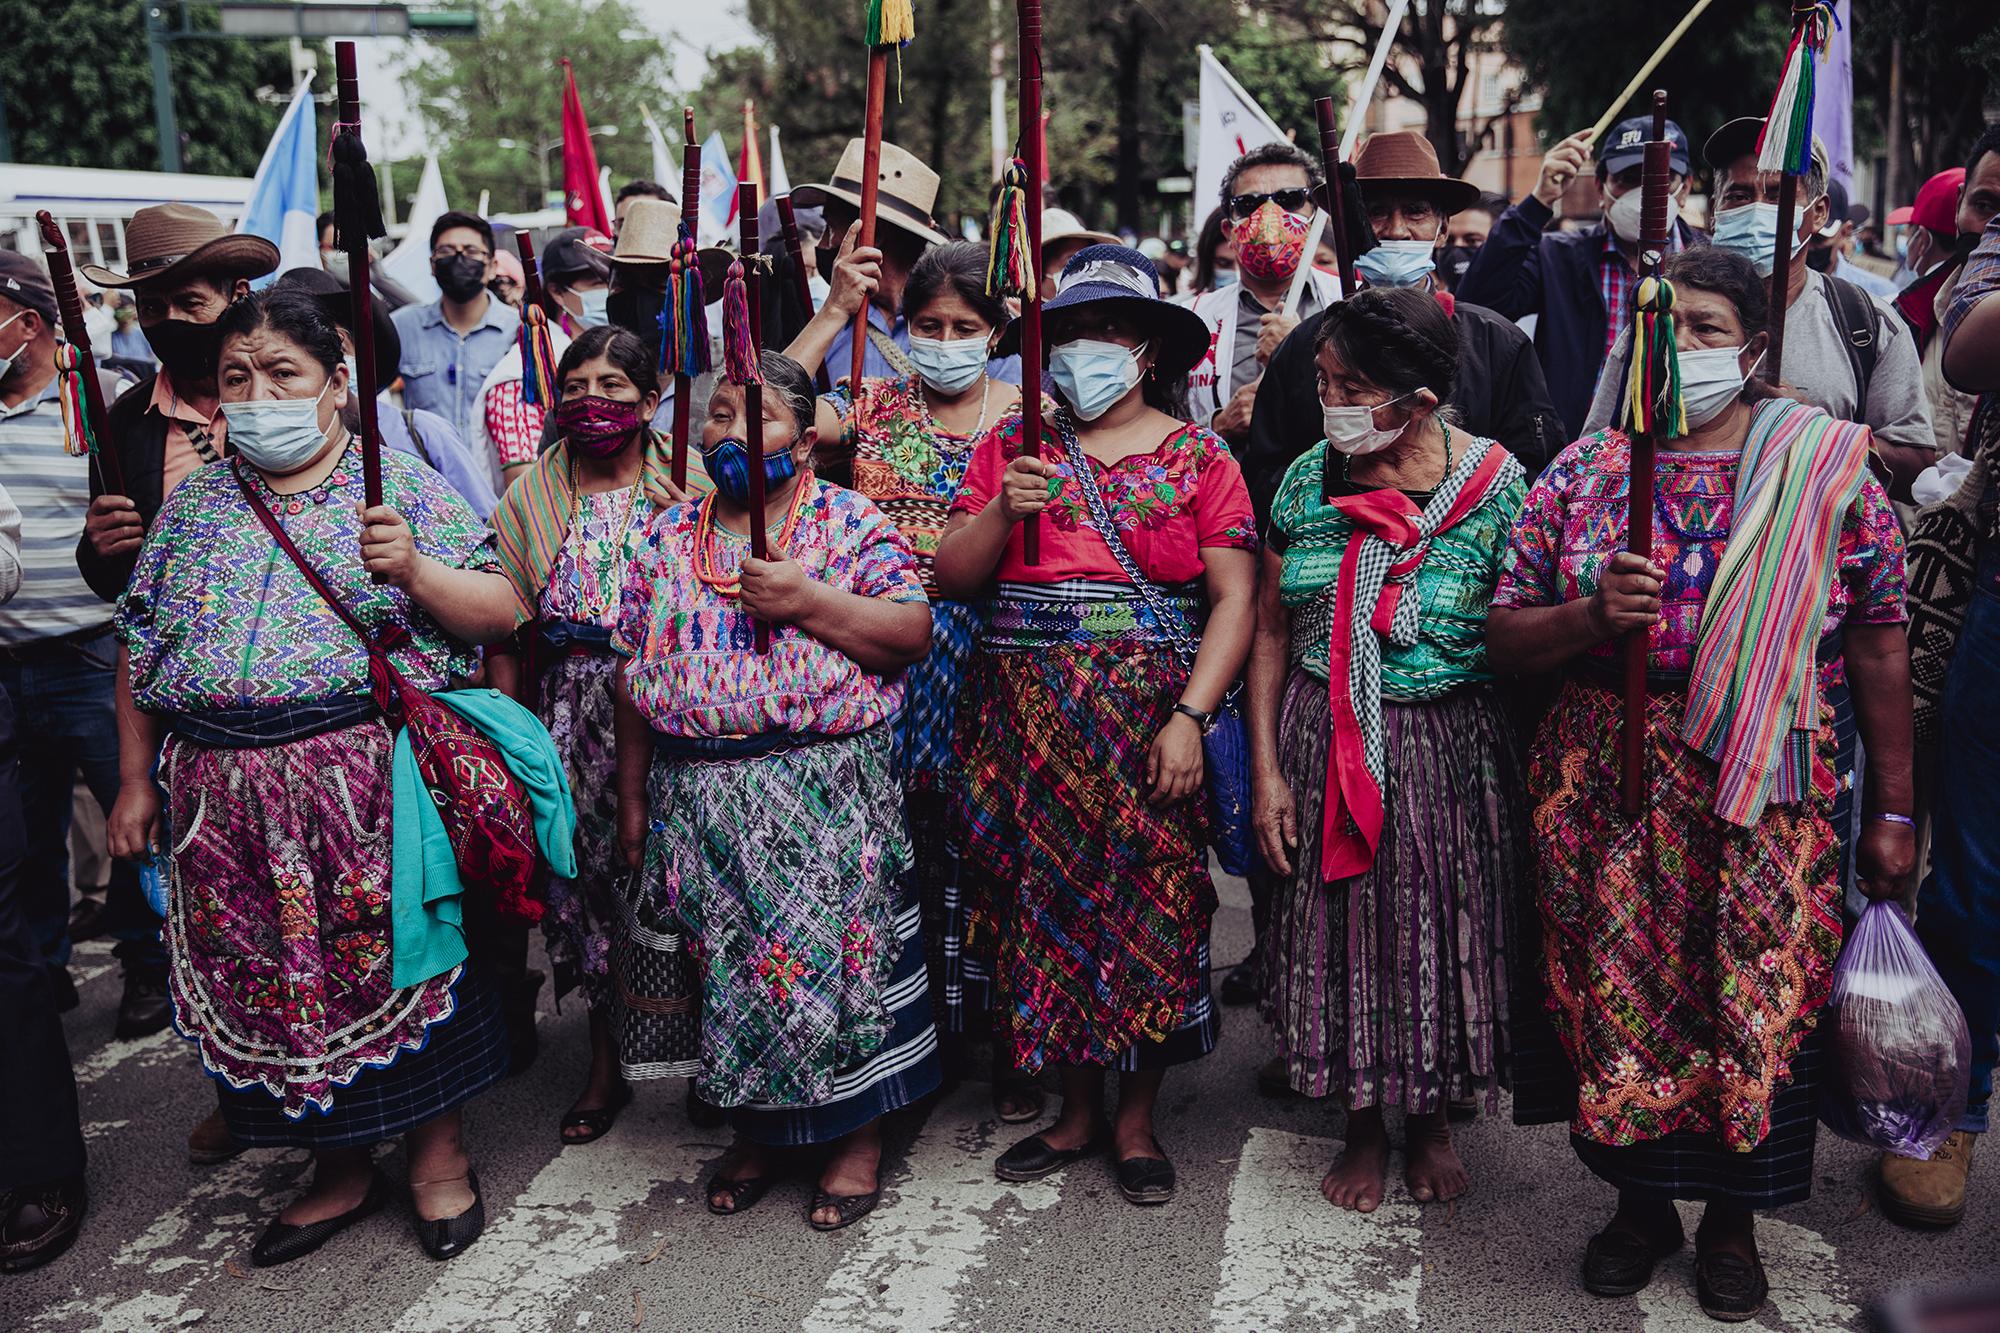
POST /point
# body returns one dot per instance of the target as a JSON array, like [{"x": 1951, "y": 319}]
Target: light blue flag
[
  {"x": 284, "y": 196},
  {"x": 718, "y": 193}
]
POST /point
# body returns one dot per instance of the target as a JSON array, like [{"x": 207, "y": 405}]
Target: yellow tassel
[{"x": 899, "y": 22}]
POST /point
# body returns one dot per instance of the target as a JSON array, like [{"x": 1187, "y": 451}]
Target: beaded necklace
[{"x": 705, "y": 544}]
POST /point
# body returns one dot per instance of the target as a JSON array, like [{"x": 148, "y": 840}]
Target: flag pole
[{"x": 357, "y": 219}]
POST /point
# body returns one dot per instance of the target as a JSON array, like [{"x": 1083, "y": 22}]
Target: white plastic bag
[{"x": 1900, "y": 1051}]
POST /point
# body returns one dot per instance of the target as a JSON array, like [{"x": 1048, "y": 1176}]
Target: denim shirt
[
  {"x": 442, "y": 368},
  {"x": 441, "y": 449}
]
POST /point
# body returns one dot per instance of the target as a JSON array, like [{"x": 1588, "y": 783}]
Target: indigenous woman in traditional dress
[
  {"x": 904, "y": 442},
  {"x": 567, "y": 531},
  {"x": 772, "y": 835},
  {"x": 1385, "y": 793},
  {"x": 1085, "y": 706},
  {"x": 278, "y": 795},
  {"x": 1689, "y": 950}
]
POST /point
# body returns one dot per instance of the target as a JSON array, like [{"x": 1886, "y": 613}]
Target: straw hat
[
  {"x": 170, "y": 241},
  {"x": 1059, "y": 224},
  {"x": 648, "y": 235},
  {"x": 906, "y": 190},
  {"x": 1404, "y": 160}
]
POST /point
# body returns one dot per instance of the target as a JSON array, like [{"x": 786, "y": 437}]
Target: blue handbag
[{"x": 1225, "y": 743}]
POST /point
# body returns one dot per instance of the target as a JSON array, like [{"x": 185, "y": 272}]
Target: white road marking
[
  {"x": 89, "y": 961},
  {"x": 143, "y": 1052},
  {"x": 1290, "y": 1259},
  {"x": 908, "y": 1267},
  {"x": 1807, "y": 1292}
]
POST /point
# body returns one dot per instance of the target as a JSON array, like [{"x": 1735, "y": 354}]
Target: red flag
[{"x": 581, "y": 197}]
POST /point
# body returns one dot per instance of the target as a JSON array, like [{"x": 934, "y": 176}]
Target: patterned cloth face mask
[
  {"x": 728, "y": 464},
  {"x": 1270, "y": 243}
]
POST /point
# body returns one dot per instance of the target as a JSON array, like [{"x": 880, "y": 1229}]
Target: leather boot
[{"x": 1928, "y": 1194}]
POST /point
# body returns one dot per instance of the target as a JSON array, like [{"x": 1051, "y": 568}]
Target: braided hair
[{"x": 1397, "y": 338}]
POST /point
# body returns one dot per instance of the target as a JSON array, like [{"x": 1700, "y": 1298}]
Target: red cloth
[
  {"x": 581, "y": 197},
  {"x": 514, "y": 426}
]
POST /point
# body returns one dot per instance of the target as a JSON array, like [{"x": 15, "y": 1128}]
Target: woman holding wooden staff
[{"x": 1689, "y": 950}]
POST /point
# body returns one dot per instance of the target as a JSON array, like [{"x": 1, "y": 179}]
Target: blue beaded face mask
[{"x": 728, "y": 464}]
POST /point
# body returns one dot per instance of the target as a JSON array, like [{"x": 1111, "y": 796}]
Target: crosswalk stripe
[
  {"x": 1290, "y": 1259},
  {"x": 908, "y": 1265},
  {"x": 1807, "y": 1290}
]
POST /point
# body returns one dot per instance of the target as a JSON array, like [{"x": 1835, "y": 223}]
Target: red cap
[{"x": 1937, "y": 203}]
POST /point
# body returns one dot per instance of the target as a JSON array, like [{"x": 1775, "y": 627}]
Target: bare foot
[
  {"x": 1360, "y": 1172},
  {"x": 747, "y": 1160},
  {"x": 853, "y": 1169},
  {"x": 1434, "y": 1173}
]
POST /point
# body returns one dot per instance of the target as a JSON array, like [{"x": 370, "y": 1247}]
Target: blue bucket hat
[{"x": 1102, "y": 273}]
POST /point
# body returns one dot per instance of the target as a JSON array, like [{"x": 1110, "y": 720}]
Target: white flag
[
  {"x": 410, "y": 262},
  {"x": 1231, "y": 125},
  {"x": 774, "y": 170},
  {"x": 663, "y": 161}
]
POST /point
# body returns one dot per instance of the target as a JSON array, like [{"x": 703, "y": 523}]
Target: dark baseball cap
[
  {"x": 25, "y": 282},
  {"x": 1625, "y": 146}
]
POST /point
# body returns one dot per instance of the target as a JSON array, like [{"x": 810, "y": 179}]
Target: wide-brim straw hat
[
  {"x": 167, "y": 242},
  {"x": 334, "y": 298},
  {"x": 652, "y": 227},
  {"x": 1059, "y": 224},
  {"x": 906, "y": 190},
  {"x": 1118, "y": 273},
  {"x": 1404, "y": 161}
]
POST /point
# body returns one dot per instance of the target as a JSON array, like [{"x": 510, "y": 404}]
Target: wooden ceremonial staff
[
  {"x": 753, "y": 392},
  {"x": 531, "y": 273},
  {"x": 1034, "y": 149},
  {"x": 683, "y": 381},
  {"x": 1336, "y": 200},
  {"x": 788, "y": 224},
  {"x": 1654, "y": 222},
  {"x": 69, "y": 305},
  {"x": 871, "y": 170},
  {"x": 354, "y": 239}
]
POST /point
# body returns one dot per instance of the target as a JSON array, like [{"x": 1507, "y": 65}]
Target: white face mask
[
  {"x": 1353, "y": 432},
  {"x": 1094, "y": 375},
  {"x": 949, "y": 365},
  {"x": 277, "y": 435},
  {"x": 1711, "y": 379},
  {"x": 1626, "y": 210},
  {"x": 7, "y": 362}
]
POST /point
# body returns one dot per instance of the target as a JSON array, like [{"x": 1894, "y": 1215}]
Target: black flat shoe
[
  {"x": 598, "y": 1120},
  {"x": 282, "y": 1242},
  {"x": 144, "y": 1008},
  {"x": 39, "y": 1223},
  {"x": 1147, "y": 1180},
  {"x": 449, "y": 1236},
  {"x": 851, "y": 1207},
  {"x": 1618, "y": 1262},
  {"x": 1032, "y": 1158},
  {"x": 742, "y": 1193},
  {"x": 1730, "y": 1288}
]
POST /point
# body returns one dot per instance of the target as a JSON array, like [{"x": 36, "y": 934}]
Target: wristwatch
[{"x": 1206, "y": 721}]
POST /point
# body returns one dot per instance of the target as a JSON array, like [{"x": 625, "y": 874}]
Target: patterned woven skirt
[
  {"x": 1684, "y": 963},
  {"x": 582, "y": 915},
  {"x": 278, "y": 939},
  {"x": 782, "y": 872},
  {"x": 1392, "y": 986},
  {"x": 1091, "y": 904},
  {"x": 928, "y": 770}
]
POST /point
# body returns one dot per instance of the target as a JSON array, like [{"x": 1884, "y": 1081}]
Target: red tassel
[{"x": 739, "y": 344}]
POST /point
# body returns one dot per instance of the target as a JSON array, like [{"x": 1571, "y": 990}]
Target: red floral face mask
[
  {"x": 1271, "y": 242},
  {"x": 597, "y": 426}
]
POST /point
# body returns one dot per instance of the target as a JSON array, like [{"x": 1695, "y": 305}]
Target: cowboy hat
[
  {"x": 1403, "y": 160},
  {"x": 332, "y": 296},
  {"x": 652, "y": 226},
  {"x": 905, "y": 195},
  {"x": 170, "y": 241},
  {"x": 1101, "y": 273},
  {"x": 1059, "y": 224}
]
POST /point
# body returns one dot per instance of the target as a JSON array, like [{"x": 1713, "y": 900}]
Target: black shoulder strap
[
  {"x": 417, "y": 437},
  {"x": 1861, "y": 332}
]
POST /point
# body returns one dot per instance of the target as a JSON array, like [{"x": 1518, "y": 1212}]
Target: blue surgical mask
[
  {"x": 594, "y": 313},
  {"x": 1397, "y": 263},
  {"x": 277, "y": 435},
  {"x": 1750, "y": 230},
  {"x": 949, "y": 365},
  {"x": 1094, "y": 375},
  {"x": 728, "y": 464},
  {"x": 1224, "y": 277},
  {"x": 7, "y": 362}
]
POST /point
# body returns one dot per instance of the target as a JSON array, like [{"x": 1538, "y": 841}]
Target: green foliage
[
  {"x": 507, "y": 84},
  {"x": 1951, "y": 67},
  {"x": 78, "y": 82}
]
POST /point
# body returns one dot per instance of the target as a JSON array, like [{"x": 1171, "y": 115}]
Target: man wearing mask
[
  {"x": 576, "y": 275},
  {"x": 1828, "y": 250},
  {"x": 452, "y": 344},
  {"x": 1578, "y": 283},
  {"x": 1843, "y": 352},
  {"x": 1267, "y": 211},
  {"x": 1499, "y": 392},
  {"x": 1466, "y": 231},
  {"x": 1951, "y": 211}
]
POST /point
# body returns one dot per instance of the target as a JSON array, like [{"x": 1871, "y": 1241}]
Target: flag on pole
[
  {"x": 718, "y": 192},
  {"x": 781, "y": 183},
  {"x": 751, "y": 166},
  {"x": 1833, "y": 100},
  {"x": 410, "y": 262},
  {"x": 1231, "y": 125},
  {"x": 664, "y": 171},
  {"x": 582, "y": 199},
  {"x": 284, "y": 196}
]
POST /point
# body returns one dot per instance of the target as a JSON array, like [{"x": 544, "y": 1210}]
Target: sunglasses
[{"x": 1292, "y": 200}]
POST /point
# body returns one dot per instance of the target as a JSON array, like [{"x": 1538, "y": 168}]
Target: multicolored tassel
[
  {"x": 1786, "y": 141},
  {"x": 1010, "y": 267},
  {"x": 685, "y": 348},
  {"x": 79, "y": 437},
  {"x": 1653, "y": 378},
  {"x": 739, "y": 343},
  {"x": 538, "y": 358},
  {"x": 890, "y": 21}
]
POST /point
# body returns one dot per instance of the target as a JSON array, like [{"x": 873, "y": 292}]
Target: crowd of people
[{"x": 966, "y": 794}]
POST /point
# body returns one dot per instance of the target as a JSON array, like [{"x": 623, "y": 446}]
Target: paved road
[{"x": 614, "y": 1236}]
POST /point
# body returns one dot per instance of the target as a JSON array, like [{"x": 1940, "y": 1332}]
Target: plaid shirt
[
  {"x": 1617, "y": 281},
  {"x": 1980, "y": 280}
]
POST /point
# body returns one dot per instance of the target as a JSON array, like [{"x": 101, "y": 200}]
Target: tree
[
  {"x": 78, "y": 83},
  {"x": 506, "y": 84},
  {"x": 1950, "y": 58}
]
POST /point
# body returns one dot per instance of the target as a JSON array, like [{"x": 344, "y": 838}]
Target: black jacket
[
  {"x": 139, "y": 442},
  {"x": 1499, "y": 394}
]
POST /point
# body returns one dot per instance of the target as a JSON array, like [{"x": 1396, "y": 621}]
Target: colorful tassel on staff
[
  {"x": 538, "y": 358},
  {"x": 689, "y": 295},
  {"x": 739, "y": 344},
  {"x": 890, "y": 22},
  {"x": 1786, "y": 141},
  {"x": 1653, "y": 379},
  {"x": 1010, "y": 268},
  {"x": 79, "y": 440}
]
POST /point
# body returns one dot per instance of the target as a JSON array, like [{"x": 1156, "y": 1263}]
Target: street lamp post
[{"x": 542, "y": 150}]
